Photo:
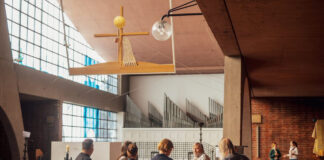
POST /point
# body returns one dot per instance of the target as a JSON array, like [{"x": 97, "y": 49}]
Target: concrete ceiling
[
  {"x": 281, "y": 42},
  {"x": 196, "y": 49}
]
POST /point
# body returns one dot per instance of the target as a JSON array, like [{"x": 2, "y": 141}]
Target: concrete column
[
  {"x": 124, "y": 89},
  {"x": 9, "y": 97},
  {"x": 233, "y": 99},
  {"x": 246, "y": 119},
  {"x": 237, "y": 107},
  {"x": 120, "y": 126}
]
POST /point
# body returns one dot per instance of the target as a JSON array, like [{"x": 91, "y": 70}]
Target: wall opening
[
  {"x": 8, "y": 143},
  {"x": 41, "y": 118}
]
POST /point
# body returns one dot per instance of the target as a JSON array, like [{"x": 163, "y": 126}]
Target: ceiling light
[{"x": 161, "y": 30}]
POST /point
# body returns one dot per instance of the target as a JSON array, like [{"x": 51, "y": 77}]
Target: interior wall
[
  {"x": 42, "y": 119},
  {"x": 284, "y": 120},
  {"x": 10, "y": 113},
  {"x": 102, "y": 150},
  {"x": 211, "y": 136},
  {"x": 197, "y": 88}
]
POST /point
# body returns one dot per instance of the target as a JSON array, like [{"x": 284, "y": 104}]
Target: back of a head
[
  {"x": 226, "y": 147},
  {"x": 125, "y": 146},
  {"x": 87, "y": 144},
  {"x": 165, "y": 145},
  {"x": 132, "y": 149}
]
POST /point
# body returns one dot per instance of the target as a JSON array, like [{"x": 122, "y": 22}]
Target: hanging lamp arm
[
  {"x": 180, "y": 7},
  {"x": 180, "y": 14},
  {"x": 65, "y": 41}
]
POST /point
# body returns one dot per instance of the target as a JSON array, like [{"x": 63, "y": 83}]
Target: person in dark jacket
[
  {"x": 227, "y": 151},
  {"x": 274, "y": 152},
  {"x": 87, "y": 150},
  {"x": 165, "y": 147}
]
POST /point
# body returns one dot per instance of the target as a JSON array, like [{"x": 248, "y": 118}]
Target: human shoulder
[
  {"x": 202, "y": 157},
  {"x": 243, "y": 157},
  {"x": 161, "y": 157},
  {"x": 122, "y": 158},
  {"x": 83, "y": 156},
  {"x": 236, "y": 157},
  {"x": 206, "y": 157},
  {"x": 240, "y": 157}
]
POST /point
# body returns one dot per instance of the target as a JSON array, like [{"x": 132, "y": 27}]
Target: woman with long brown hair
[{"x": 130, "y": 153}]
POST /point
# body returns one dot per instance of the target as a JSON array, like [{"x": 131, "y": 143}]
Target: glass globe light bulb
[{"x": 161, "y": 30}]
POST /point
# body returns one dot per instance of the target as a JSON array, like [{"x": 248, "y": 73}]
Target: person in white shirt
[
  {"x": 293, "y": 151},
  {"x": 199, "y": 153}
]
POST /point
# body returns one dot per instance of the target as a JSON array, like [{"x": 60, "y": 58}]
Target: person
[
  {"x": 293, "y": 151},
  {"x": 274, "y": 152},
  {"x": 131, "y": 152},
  {"x": 165, "y": 147},
  {"x": 226, "y": 148},
  {"x": 199, "y": 152},
  {"x": 124, "y": 149},
  {"x": 87, "y": 150}
]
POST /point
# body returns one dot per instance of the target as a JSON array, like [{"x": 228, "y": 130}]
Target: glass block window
[
  {"x": 80, "y": 122},
  {"x": 37, "y": 41}
]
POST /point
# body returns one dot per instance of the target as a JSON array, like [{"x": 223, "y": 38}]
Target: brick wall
[
  {"x": 42, "y": 119},
  {"x": 283, "y": 120}
]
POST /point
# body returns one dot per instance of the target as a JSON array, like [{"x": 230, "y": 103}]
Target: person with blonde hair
[
  {"x": 227, "y": 150},
  {"x": 274, "y": 152},
  {"x": 165, "y": 147},
  {"x": 199, "y": 152}
]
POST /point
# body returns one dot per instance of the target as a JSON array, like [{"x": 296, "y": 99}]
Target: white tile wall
[{"x": 210, "y": 135}]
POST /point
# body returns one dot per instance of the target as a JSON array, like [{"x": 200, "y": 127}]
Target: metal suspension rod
[
  {"x": 169, "y": 12},
  {"x": 183, "y": 6},
  {"x": 180, "y": 7},
  {"x": 181, "y": 14},
  {"x": 65, "y": 41}
]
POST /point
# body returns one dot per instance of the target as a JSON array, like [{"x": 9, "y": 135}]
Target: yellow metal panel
[
  {"x": 118, "y": 68},
  {"x": 256, "y": 118}
]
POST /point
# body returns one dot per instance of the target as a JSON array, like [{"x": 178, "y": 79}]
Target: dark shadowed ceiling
[
  {"x": 196, "y": 48},
  {"x": 282, "y": 42}
]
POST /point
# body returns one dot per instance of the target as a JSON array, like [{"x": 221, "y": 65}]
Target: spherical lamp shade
[
  {"x": 161, "y": 30},
  {"x": 119, "y": 21}
]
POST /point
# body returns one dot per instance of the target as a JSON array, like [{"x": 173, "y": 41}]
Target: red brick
[{"x": 283, "y": 120}]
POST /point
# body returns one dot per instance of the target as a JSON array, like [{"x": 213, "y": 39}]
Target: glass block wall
[
  {"x": 79, "y": 122},
  {"x": 37, "y": 41}
]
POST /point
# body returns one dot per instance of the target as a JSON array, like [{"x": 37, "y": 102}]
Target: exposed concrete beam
[
  {"x": 219, "y": 21},
  {"x": 41, "y": 84}
]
